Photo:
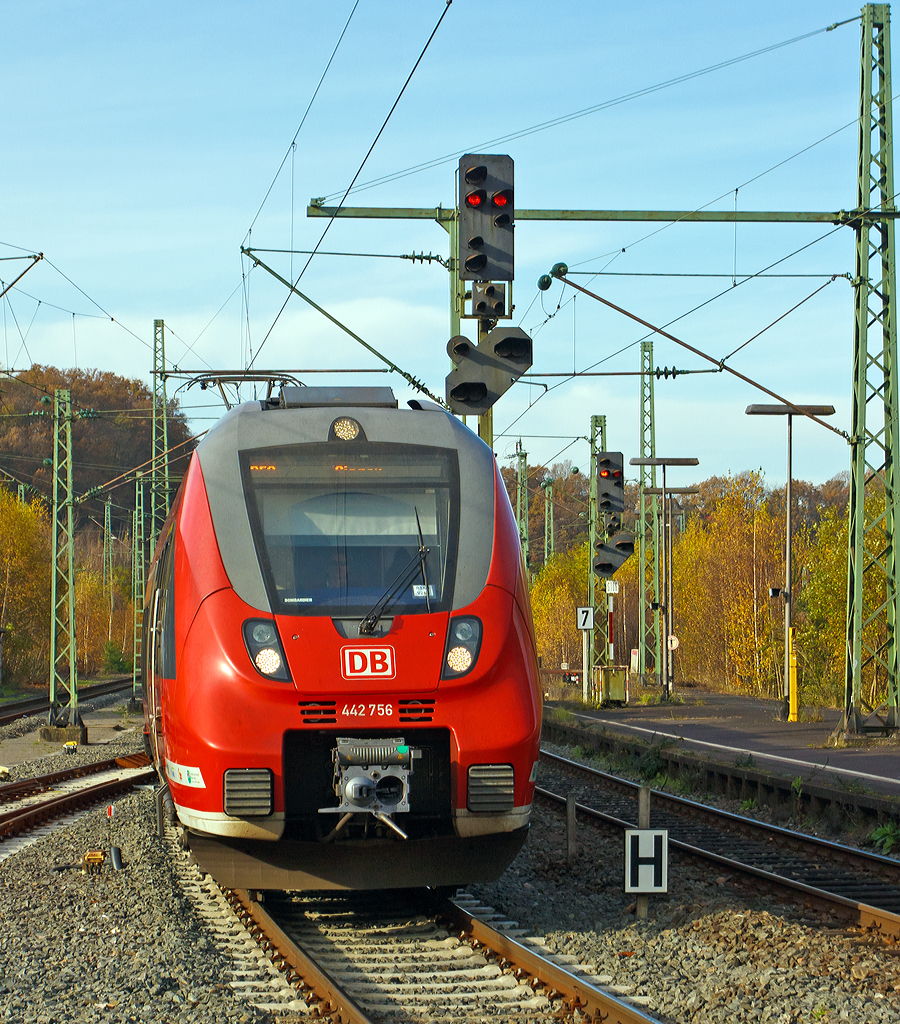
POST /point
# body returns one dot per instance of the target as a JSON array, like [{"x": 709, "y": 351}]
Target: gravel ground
[
  {"x": 131, "y": 743},
  {"x": 127, "y": 946},
  {"x": 112, "y": 946},
  {"x": 712, "y": 950}
]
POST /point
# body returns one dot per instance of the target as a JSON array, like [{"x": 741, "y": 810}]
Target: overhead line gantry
[{"x": 873, "y": 655}]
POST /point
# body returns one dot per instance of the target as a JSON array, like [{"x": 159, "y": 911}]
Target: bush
[{"x": 114, "y": 660}]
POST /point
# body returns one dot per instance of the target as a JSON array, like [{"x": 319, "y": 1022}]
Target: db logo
[{"x": 373, "y": 662}]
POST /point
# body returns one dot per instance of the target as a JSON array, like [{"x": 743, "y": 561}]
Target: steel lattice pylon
[
  {"x": 549, "y": 532},
  {"x": 107, "y": 546},
  {"x": 159, "y": 481},
  {"x": 522, "y": 500},
  {"x": 63, "y": 666},
  {"x": 872, "y": 612},
  {"x": 648, "y": 524},
  {"x": 597, "y": 652}
]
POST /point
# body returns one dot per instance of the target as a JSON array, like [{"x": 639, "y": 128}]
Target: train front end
[{"x": 343, "y": 689}]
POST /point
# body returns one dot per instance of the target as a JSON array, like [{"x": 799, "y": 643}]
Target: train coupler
[{"x": 372, "y": 776}]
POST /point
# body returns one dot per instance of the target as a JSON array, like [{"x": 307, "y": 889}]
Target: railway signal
[
  {"x": 483, "y": 372},
  {"x": 611, "y": 484},
  {"x": 612, "y": 551},
  {"x": 486, "y": 218}
]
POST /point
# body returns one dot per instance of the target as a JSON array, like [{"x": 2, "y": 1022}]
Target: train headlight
[
  {"x": 265, "y": 650},
  {"x": 268, "y": 661},
  {"x": 463, "y": 644},
  {"x": 459, "y": 659},
  {"x": 345, "y": 429}
]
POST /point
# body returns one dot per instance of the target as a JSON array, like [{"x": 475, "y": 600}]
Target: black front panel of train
[{"x": 308, "y": 767}]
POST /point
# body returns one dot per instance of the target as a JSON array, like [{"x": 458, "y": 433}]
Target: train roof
[{"x": 303, "y": 415}]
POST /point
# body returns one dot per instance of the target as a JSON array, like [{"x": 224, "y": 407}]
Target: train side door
[{"x": 159, "y": 643}]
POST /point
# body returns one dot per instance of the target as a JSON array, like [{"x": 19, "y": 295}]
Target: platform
[
  {"x": 728, "y": 727},
  {"x": 103, "y": 725}
]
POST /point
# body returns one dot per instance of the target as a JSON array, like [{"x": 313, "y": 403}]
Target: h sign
[
  {"x": 368, "y": 662},
  {"x": 646, "y": 860}
]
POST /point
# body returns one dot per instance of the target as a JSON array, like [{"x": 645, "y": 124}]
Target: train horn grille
[
  {"x": 317, "y": 712},
  {"x": 415, "y": 710},
  {"x": 491, "y": 788},
  {"x": 248, "y": 792}
]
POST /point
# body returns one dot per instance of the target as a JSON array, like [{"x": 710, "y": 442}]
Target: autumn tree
[
  {"x": 571, "y": 490},
  {"x": 559, "y": 588},
  {"x": 115, "y": 438},
  {"x": 821, "y": 631},
  {"x": 24, "y": 587}
]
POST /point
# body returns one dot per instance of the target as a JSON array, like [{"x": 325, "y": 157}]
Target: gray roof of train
[{"x": 252, "y": 426}]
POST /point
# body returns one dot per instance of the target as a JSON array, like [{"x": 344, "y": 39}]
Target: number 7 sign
[{"x": 584, "y": 618}]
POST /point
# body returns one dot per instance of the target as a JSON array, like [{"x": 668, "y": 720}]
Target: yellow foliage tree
[
  {"x": 723, "y": 569},
  {"x": 558, "y": 589},
  {"x": 24, "y": 587}
]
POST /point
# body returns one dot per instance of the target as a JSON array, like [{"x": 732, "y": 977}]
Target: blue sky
[{"x": 140, "y": 142}]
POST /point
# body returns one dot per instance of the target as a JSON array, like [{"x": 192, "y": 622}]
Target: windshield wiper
[{"x": 369, "y": 622}]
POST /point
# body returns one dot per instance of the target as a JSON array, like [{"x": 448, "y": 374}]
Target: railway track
[
  {"x": 852, "y": 884},
  {"x": 395, "y": 955},
  {"x": 40, "y": 803},
  {"x": 11, "y": 791},
  {"x": 413, "y": 956},
  {"x": 13, "y": 710}
]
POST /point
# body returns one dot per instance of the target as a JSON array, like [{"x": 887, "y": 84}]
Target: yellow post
[{"x": 793, "y": 697}]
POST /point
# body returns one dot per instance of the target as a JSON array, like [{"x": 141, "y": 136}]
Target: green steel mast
[
  {"x": 522, "y": 499},
  {"x": 549, "y": 532},
  {"x": 159, "y": 481},
  {"x": 648, "y": 523},
  {"x": 596, "y": 652},
  {"x": 872, "y": 597},
  {"x": 63, "y": 664},
  {"x": 137, "y": 584}
]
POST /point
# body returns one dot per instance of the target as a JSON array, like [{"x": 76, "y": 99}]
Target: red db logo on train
[{"x": 371, "y": 662}]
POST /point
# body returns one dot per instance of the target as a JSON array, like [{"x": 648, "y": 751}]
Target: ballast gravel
[
  {"x": 713, "y": 950},
  {"x": 110, "y": 946},
  {"x": 127, "y": 946}
]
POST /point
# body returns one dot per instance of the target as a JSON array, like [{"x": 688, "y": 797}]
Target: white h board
[{"x": 646, "y": 860}]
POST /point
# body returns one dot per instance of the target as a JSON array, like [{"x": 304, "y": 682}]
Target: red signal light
[
  {"x": 604, "y": 472},
  {"x": 502, "y": 198},
  {"x": 476, "y": 198}
]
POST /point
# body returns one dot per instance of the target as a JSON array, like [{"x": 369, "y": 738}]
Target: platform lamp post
[
  {"x": 666, "y": 603},
  {"x": 666, "y": 587},
  {"x": 790, "y": 708}
]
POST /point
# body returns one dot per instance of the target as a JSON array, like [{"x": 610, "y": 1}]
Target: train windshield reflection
[{"x": 335, "y": 524}]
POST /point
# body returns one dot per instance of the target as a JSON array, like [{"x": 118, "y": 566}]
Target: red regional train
[{"x": 340, "y": 678}]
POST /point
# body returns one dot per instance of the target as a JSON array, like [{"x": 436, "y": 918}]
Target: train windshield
[{"x": 337, "y": 525}]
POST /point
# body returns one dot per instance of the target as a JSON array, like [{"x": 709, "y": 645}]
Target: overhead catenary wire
[
  {"x": 749, "y": 181},
  {"x": 312, "y": 100},
  {"x": 129, "y": 474},
  {"x": 585, "y": 111},
  {"x": 727, "y": 291},
  {"x": 417, "y": 384},
  {"x": 415, "y": 257},
  {"x": 799, "y": 410},
  {"x": 331, "y": 219},
  {"x": 62, "y": 309},
  {"x": 650, "y": 373}
]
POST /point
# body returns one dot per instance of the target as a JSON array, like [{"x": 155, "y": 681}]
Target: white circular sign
[{"x": 673, "y": 642}]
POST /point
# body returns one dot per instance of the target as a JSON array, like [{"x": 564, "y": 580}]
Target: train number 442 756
[{"x": 368, "y": 710}]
